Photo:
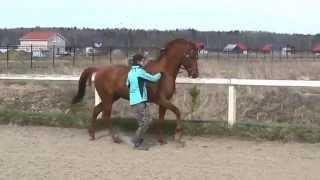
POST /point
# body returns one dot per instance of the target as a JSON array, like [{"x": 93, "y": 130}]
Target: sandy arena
[{"x": 34, "y": 153}]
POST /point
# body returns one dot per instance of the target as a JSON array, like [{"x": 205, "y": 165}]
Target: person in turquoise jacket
[{"x": 138, "y": 97}]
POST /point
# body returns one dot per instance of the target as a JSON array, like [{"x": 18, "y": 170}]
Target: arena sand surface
[{"x": 32, "y": 153}]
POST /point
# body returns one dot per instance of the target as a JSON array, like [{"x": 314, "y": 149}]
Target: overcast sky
[{"x": 282, "y": 16}]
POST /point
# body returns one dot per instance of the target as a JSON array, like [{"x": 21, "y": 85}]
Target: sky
[{"x": 280, "y": 16}]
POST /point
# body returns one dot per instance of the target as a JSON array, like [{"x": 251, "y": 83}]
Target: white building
[
  {"x": 3, "y": 50},
  {"x": 43, "y": 43}
]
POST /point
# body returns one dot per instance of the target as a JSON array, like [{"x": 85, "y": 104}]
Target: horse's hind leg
[
  {"x": 107, "y": 118},
  {"x": 159, "y": 124},
  {"x": 96, "y": 110}
]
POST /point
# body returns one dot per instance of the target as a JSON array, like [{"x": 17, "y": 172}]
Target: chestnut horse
[{"x": 110, "y": 84}]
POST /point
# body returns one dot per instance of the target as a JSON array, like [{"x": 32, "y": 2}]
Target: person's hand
[{"x": 162, "y": 74}]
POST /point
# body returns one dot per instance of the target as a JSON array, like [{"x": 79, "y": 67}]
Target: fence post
[
  {"x": 31, "y": 55},
  {"x": 93, "y": 55},
  {"x": 110, "y": 55},
  {"x": 314, "y": 56},
  {"x": 128, "y": 52},
  {"x": 106, "y": 53},
  {"x": 7, "y": 56},
  {"x": 280, "y": 54},
  {"x": 53, "y": 55},
  {"x": 74, "y": 56},
  {"x": 232, "y": 107},
  {"x": 247, "y": 56},
  {"x": 301, "y": 55},
  {"x": 207, "y": 54}
]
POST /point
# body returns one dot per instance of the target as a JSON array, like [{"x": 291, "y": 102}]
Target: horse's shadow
[
  {"x": 125, "y": 137},
  {"x": 125, "y": 130}
]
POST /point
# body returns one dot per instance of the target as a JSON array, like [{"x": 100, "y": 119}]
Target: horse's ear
[{"x": 163, "y": 50}]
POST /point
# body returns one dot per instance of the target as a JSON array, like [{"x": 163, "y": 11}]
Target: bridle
[{"x": 187, "y": 57}]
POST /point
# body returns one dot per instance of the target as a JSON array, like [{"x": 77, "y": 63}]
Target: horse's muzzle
[{"x": 194, "y": 74}]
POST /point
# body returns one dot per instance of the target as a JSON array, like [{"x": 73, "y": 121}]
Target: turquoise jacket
[{"x": 136, "y": 81}]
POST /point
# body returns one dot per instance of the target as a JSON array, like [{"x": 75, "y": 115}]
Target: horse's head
[
  {"x": 190, "y": 61},
  {"x": 185, "y": 54}
]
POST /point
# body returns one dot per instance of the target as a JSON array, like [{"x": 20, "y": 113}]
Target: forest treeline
[{"x": 81, "y": 37}]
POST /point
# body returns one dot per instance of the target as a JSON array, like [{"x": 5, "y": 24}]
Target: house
[
  {"x": 43, "y": 43},
  {"x": 235, "y": 48},
  {"x": 200, "y": 45},
  {"x": 316, "y": 49},
  {"x": 89, "y": 51},
  {"x": 201, "y": 48},
  {"x": 287, "y": 50},
  {"x": 3, "y": 50},
  {"x": 266, "y": 48}
]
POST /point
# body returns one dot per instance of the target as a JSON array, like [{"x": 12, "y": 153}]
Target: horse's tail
[{"x": 84, "y": 77}]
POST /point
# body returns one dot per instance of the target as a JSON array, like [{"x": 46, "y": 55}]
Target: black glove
[{"x": 162, "y": 74}]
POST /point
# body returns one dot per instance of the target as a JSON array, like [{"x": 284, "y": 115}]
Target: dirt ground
[{"x": 59, "y": 153}]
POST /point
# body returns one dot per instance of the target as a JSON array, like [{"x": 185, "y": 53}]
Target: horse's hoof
[
  {"x": 91, "y": 134},
  {"x": 92, "y": 137},
  {"x": 162, "y": 141},
  {"x": 116, "y": 139},
  {"x": 177, "y": 137},
  {"x": 180, "y": 144},
  {"x": 178, "y": 134}
]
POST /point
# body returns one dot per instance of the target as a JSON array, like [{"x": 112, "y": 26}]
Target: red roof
[
  {"x": 241, "y": 46},
  {"x": 43, "y": 36},
  {"x": 316, "y": 49},
  {"x": 267, "y": 48},
  {"x": 200, "y": 45}
]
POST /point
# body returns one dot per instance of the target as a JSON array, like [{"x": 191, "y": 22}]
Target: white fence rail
[{"x": 231, "y": 83}]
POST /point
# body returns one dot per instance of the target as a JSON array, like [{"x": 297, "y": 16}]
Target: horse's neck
[
  {"x": 172, "y": 71},
  {"x": 167, "y": 66}
]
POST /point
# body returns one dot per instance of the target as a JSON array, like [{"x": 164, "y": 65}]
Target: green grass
[
  {"x": 248, "y": 130},
  {"x": 41, "y": 118}
]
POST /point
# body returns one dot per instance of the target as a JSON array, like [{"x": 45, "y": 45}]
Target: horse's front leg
[{"x": 168, "y": 105}]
